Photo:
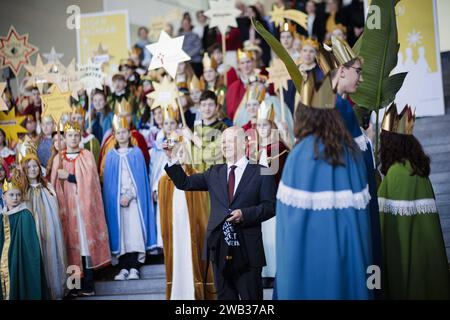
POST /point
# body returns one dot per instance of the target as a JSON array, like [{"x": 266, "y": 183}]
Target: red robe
[{"x": 235, "y": 94}]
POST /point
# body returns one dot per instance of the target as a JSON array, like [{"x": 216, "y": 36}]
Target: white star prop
[
  {"x": 53, "y": 56},
  {"x": 222, "y": 14},
  {"x": 167, "y": 53},
  {"x": 92, "y": 76}
]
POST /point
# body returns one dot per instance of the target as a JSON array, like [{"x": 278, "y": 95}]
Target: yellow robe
[{"x": 198, "y": 207}]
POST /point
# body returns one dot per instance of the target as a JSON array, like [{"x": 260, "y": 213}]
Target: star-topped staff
[
  {"x": 279, "y": 76},
  {"x": 39, "y": 74},
  {"x": 166, "y": 95},
  {"x": 168, "y": 53},
  {"x": 11, "y": 124},
  {"x": 53, "y": 56},
  {"x": 55, "y": 105},
  {"x": 91, "y": 75},
  {"x": 3, "y": 106},
  {"x": 222, "y": 14},
  {"x": 279, "y": 14},
  {"x": 15, "y": 50}
]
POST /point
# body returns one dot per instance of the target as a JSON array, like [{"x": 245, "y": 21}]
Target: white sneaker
[
  {"x": 122, "y": 275},
  {"x": 134, "y": 274}
]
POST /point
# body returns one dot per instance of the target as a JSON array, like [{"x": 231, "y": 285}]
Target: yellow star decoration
[
  {"x": 278, "y": 14},
  {"x": 39, "y": 74},
  {"x": 3, "y": 106},
  {"x": 278, "y": 74},
  {"x": 11, "y": 124},
  {"x": 165, "y": 94},
  {"x": 56, "y": 103}
]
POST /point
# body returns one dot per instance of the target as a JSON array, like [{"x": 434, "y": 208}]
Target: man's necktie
[{"x": 231, "y": 179}]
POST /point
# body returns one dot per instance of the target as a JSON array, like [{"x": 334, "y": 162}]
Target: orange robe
[{"x": 86, "y": 193}]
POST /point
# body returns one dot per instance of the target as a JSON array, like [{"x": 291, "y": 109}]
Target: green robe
[
  {"x": 22, "y": 274},
  {"x": 211, "y": 151},
  {"x": 415, "y": 264},
  {"x": 93, "y": 147}
]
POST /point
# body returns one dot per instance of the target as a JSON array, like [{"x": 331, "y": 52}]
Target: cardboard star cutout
[
  {"x": 11, "y": 124},
  {"x": 278, "y": 74},
  {"x": 279, "y": 14},
  {"x": 39, "y": 74},
  {"x": 56, "y": 103},
  {"x": 15, "y": 51},
  {"x": 165, "y": 94},
  {"x": 91, "y": 76},
  {"x": 3, "y": 106},
  {"x": 167, "y": 53},
  {"x": 222, "y": 14},
  {"x": 53, "y": 56},
  {"x": 66, "y": 78},
  {"x": 101, "y": 56}
]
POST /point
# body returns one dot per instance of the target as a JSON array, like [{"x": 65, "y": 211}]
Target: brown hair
[
  {"x": 39, "y": 177},
  {"x": 328, "y": 128}
]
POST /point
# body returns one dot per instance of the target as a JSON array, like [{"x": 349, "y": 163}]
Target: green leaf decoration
[
  {"x": 281, "y": 52},
  {"x": 379, "y": 49}
]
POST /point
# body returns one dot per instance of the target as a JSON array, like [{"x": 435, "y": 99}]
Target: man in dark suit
[{"x": 241, "y": 199}]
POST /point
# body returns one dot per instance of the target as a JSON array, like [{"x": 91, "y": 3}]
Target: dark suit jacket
[{"x": 255, "y": 196}]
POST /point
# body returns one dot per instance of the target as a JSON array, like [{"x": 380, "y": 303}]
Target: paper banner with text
[{"x": 110, "y": 29}]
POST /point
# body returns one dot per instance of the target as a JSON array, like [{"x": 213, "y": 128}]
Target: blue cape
[
  {"x": 323, "y": 227},
  {"x": 111, "y": 196}
]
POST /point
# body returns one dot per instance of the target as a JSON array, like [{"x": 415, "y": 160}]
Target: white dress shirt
[{"x": 241, "y": 164}]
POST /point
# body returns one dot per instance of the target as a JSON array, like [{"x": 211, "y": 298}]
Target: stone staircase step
[
  {"x": 441, "y": 188},
  {"x": 436, "y": 149},
  {"x": 429, "y": 138},
  {"x": 143, "y": 296},
  {"x": 440, "y": 167},
  {"x": 425, "y": 121},
  {"x": 131, "y": 287},
  {"x": 440, "y": 157},
  {"x": 153, "y": 271},
  {"x": 443, "y": 177},
  {"x": 440, "y": 125}
]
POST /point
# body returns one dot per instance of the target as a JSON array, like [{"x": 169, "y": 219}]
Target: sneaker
[
  {"x": 134, "y": 274},
  {"x": 122, "y": 275},
  {"x": 86, "y": 293}
]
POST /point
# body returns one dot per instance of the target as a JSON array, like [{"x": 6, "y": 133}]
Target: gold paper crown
[
  {"x": 26, "y": 150},
  {"x": 241, "y": 54},
  {"x": 209, "y": 62},
  {"x": 326, "y": 60},
  {"x": 72, "y": 126},
  {"x": 288, "y": 27},
  {"x": 342, "y": 51},
  {"x": 255, "y": 92},
  {"x": 120, "y": 122},
  {"x": 324, "y": 98},
  {"x": 311, "y": 42},
  {"x": 402, "y": 123},
  {"x": 77, "y": 109},
  {"x": 17, "y": 181},
  {"x": 122, "y": 107},
  {"x": 266, "y": 112},
  {"x": 171, "y": 112},
  {"x": 196, "y": 84}
]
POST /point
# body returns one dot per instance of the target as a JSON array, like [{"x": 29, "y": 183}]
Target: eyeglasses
[{"x": 358, "y": 70}]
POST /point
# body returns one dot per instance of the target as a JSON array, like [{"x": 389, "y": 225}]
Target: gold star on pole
[
  {"x": 3, "y": 106},
  {"x": 167, "y": 53},
  {"x": 165, "y": 94},
  {"x": 56, "y": 103},
  {"x": 278, "y": 74},
  {"x": 15, "y": 51},
  {"x": 278, "y": 14},
  {"x": 222, "y": 14},
  {"x": 38, "y": 74},
  {"x": 11, "y": 124},
  {"x": 102, "y": 56}
]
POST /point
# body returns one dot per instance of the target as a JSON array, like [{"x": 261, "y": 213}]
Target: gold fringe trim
[{"x": 4, "y": 269}]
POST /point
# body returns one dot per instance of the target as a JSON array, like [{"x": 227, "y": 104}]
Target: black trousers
[
  {"x": 246, "y": 286},
  {"x": 129, "y": 261},
  {"x": 87, "y": 282}
]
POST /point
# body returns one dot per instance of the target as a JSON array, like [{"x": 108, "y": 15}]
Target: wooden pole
[
  {"x": 283, "y": 115},
  {"x": 224, "y": 52}
]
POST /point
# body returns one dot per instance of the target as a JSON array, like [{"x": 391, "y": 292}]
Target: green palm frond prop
[
  {"x": 379, "y": 49},
  {"x": 281, "y": 52}
]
